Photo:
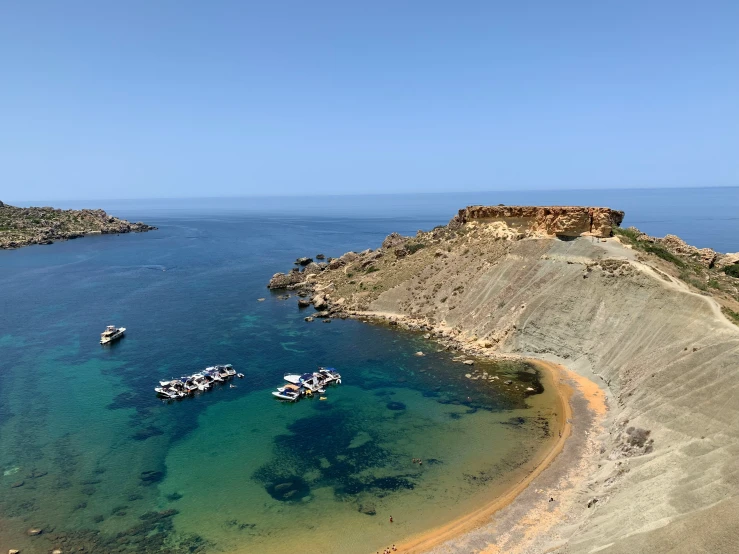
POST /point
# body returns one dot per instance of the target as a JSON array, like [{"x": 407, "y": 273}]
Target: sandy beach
[{"x": 588, "y": 410}]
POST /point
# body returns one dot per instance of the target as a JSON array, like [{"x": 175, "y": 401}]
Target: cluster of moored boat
[
  {"x": 201, "y": 381},
  {"x": 307, "y": 384}
]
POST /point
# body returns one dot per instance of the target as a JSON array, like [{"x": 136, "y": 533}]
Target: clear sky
[{"x": 156, "y": 98}]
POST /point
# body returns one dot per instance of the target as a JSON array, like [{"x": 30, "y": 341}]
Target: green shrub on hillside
[
  {"x": 631, "y": 233},
  {"x": 731, "y": 314},
  {"x": 415, "y": 247},
  {"x": 732, "y": 270},
  {"x": 661, "y": 252}
]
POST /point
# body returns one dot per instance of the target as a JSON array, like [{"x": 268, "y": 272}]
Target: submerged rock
[
  {"x": 288, "y": 490},
  {"x": 368, "y": 509}
]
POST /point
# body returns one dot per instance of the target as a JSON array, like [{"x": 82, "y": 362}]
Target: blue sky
[{"x": 178, "y": 99}]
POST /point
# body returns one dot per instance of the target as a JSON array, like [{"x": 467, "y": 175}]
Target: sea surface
[{"x": 92, "y": 457}]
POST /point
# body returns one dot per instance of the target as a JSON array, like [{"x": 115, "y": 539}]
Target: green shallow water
[{"x": 91, "y": 456}]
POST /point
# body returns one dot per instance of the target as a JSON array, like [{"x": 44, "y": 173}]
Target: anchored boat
[
  {"x": 111, "y": 333},
  {"x": 289, "y": 392}
]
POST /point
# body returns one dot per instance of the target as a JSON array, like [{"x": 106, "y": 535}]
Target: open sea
[{"x": 89, "y": 455}]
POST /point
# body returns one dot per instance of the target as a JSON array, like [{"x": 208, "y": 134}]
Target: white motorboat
[
  {"x": 290, "y": 392},
  {"x": 111, "y": 333},
  {"x": 213, "y": 374},
  {"x": 201, "y": 382},
  {"x": 294, "y": 378},
  {"x": 167, "y": 392},
  {"x": 228, "y": 368},
  {"x": 223, "y": 372},
  {"x": 329, "y": 375},
  {"x": 308, "y": 380}
]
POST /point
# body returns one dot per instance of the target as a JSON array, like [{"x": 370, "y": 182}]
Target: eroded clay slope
[{"x": 668, "y": 477}]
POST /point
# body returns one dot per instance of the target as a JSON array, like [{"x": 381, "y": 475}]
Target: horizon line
[{"x": 364, "y": 194}]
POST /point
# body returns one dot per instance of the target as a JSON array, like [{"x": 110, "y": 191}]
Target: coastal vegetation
[
  {"x": 703, "y": 269},
  {"x": 45, "y": 225}
]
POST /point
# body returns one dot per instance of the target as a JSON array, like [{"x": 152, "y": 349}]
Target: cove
[{"x": 89, "y": 454}]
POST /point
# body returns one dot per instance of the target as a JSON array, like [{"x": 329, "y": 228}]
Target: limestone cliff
[{"x": 569, "y": 221}]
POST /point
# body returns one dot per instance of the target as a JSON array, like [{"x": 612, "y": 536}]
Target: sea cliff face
[
  {"x": 568, "y": 221},
  {"x": 25, "y": 226},
  {"x": 630, "y": 310}
]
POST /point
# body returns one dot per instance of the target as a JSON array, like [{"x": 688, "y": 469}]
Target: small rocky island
[{"x": 24, "y": 226}]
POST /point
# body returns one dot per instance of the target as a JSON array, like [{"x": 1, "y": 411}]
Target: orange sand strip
[{"x": 596, "y": 402}]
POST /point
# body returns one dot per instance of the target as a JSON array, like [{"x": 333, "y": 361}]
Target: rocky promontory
[
  {"x": 34, "y": 225},
  {"x": 652, "y": 321}
]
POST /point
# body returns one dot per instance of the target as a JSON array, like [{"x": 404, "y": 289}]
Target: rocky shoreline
[{"x": 35, "y": 225}]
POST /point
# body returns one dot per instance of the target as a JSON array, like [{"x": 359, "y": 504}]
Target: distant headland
[{"x": 33, "y": 225}]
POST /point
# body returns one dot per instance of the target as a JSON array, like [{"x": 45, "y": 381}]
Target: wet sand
[{"x": 567, "y": 383}]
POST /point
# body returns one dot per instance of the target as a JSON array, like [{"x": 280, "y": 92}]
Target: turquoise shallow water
[{"x": 91, "y": 456}]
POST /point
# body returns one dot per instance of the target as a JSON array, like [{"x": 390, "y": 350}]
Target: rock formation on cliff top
[
  {"x": 24, "y": 226},
  {"x": 567, "y": 221}
]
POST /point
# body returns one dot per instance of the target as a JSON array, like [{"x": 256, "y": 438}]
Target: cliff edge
[
  {"x": 631, "y": 312},
  {"x": 563, "y": 221}
]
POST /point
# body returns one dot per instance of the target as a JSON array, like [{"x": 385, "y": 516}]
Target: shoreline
[{"x": 568, "y": 385}]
